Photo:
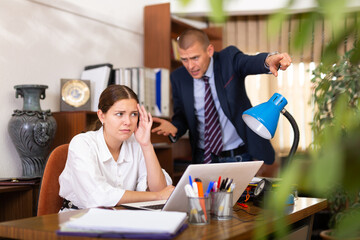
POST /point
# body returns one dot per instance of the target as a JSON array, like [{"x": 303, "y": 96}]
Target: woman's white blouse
[{"x": 92, "y": 178}]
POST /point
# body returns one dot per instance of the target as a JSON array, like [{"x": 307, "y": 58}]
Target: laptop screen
[{"x": 240, "y": 172}]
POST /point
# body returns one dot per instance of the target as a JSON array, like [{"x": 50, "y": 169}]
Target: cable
[{"x": 237, "y": 210}]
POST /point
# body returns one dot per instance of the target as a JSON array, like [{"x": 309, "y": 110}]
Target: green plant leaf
[
  {"x": 218, "y": 14},
  {"x": 275, "y": 22},
  {"x": 185, "y": 2},
  {"x": 349, "y": 227},
  {"x": 301, "y": 37}
]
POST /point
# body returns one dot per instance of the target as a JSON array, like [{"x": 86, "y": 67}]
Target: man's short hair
[{"x": 190, "y": 36}]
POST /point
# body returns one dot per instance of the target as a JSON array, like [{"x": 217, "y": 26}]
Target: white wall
[
  {"x": 247, "y": 7},
  {"x": 45, "y": 40}
]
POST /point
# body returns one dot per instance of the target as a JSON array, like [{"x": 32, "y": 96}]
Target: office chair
[{"x": 49, "y": 199}]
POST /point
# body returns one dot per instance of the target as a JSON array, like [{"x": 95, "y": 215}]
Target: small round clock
[
  {"x": 76, "y": 93},
  {"x": 260, "y": 191}
]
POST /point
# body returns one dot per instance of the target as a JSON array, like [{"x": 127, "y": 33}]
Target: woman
[{"x": 117, "y": 163}]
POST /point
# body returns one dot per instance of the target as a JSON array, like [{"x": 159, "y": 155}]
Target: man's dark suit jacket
[{"x": 231, "y": 67}]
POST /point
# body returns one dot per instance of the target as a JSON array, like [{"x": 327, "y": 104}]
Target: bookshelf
[{"x": 160, "y": 29}]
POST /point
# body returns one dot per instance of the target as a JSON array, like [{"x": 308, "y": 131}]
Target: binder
[
  {"x": 135, "y": 80},
  {"x": 99, "y": 76},
  {"x": 117, "y": 76},
  {"x": 163, "y": 91},
  {"x": 150, "y": 90},
  {"x": 127, "y": 77},
  {"x": 158, "y": 91},
  {"x": 141, "y": 86}
]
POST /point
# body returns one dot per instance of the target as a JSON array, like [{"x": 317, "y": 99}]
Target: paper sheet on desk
[{"x": 127, "y": 221}]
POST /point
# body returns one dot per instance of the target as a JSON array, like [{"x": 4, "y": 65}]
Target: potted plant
[
  {"x": 331, "y": 168},
  {"x": 337, "y": 130}
]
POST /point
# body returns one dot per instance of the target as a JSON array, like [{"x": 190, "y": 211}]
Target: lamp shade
[{"x": 263, "y": 118}]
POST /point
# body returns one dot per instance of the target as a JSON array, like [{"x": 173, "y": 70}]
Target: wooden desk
[{"x": 240, "y": 227}]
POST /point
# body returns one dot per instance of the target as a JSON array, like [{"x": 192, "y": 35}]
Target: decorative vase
[{"x": 32, "y": 130}]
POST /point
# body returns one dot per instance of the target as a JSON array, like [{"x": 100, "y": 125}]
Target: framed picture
[{"x": 75, "y": 95}]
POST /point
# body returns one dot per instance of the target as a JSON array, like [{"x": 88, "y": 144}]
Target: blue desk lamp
[{"x": 263, "y": 120}]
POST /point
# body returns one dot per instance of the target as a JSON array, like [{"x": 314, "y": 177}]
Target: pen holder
[
  {"x": 199, "y": 210},
  {"x": 221, "y": 205}
]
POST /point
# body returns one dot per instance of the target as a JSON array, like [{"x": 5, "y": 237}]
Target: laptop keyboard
[{"x": 157, "y": 206}]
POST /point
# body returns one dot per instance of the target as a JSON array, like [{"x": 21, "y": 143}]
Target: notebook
[
  {"x": 125, "y": 224},
  {"x": 241, "y": 173}
]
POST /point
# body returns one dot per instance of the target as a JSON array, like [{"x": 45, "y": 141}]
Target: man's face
[{"x": 195, "y": 59}]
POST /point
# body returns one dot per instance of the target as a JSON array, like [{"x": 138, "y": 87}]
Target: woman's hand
[{"x": 142, "y": 132}]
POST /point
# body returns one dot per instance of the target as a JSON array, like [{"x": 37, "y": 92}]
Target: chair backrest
[{"x": 49, "y": 199}]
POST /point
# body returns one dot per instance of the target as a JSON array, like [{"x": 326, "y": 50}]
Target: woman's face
[{"x": 120, "y": 121}]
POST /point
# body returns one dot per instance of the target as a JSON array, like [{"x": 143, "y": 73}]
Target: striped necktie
[{"x": 213, "y": 139}]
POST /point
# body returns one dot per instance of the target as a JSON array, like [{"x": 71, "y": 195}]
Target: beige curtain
[{"x": 251, "y": 34}]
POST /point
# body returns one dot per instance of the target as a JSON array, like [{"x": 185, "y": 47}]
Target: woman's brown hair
[{"x": 109, "y": 96}]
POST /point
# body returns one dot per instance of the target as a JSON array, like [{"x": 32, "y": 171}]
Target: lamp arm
[{"x": 296, "y": 133}]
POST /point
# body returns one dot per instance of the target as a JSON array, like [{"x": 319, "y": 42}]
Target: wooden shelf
[{"x": 160, "y": 28}]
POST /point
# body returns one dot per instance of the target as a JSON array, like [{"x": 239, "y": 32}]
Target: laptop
[{"x": 241, "y": 173}]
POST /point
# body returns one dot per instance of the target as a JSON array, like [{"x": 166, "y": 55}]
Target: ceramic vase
[{"x": 32, "y": 130}]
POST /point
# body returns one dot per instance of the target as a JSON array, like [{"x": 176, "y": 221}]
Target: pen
[
  {"x": 215, "y": 187},
  {"x": 228, "y": 185},
  {"x": 232, "y": 187},
  {"x": 223, "y": 184},
  {"x": 189, "y": 191},
  {"x": 190, "y": 180},
  {"x": 200, "y": 189},
  {"x": 195, "y": 189},
  {"x": 218, "y": 183},
  {"x": 201, "y": 195},
  {"x": 211, "y": 184}
]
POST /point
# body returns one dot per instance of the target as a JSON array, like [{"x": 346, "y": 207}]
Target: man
[{"x": 209, "y": 98}]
